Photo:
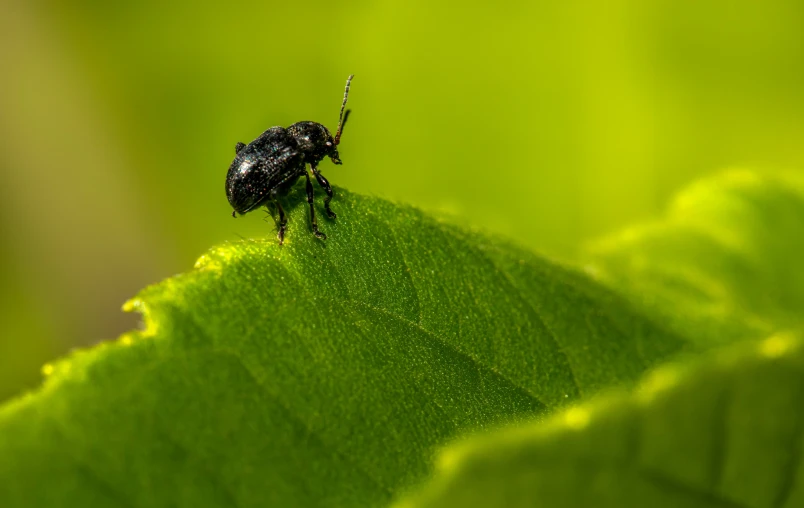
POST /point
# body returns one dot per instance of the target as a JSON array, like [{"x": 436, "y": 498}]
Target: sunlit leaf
[
  {"x": 724, "y": 432},
  {"x": 726, "y": 262},
  {"x": 319, "y": 373}
]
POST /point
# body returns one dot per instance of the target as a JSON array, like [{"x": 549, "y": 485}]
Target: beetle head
[
  {"x": 333, "y": 151},
  {"x": 313, "y": 140}
]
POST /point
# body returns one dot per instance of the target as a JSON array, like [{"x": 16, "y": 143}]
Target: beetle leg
[
  {"x": 283, "y": 221},
  {"x": 327, "y": 188},
  {"x": 316, "y": 232}
]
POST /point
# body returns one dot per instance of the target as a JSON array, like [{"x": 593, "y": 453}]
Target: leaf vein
[
  {"x": 455, "y": 350},
  {"x": 666, "y": 481},
  {"x": 302, "y": 423},
  {"x": 409, "y": 273},
  {"x": 428, "y": 333},
  {"x": 550, "y": 332}
]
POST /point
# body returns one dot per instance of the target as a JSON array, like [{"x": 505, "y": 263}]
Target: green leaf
[
  {"x": 727, "y": 432},
  {"x": 319, "y": 374},
  {"x": 724, "y": 264}
]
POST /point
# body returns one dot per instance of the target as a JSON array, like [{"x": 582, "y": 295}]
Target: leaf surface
[
  {"x": 726, "y": 432},
  {"x": 320, "y": 374},
  {"x": 725, "y": 263},
  {"x": 722, "y": 430}
]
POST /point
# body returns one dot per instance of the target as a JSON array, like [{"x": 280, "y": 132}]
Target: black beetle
[{"x": 267, "y": 168}]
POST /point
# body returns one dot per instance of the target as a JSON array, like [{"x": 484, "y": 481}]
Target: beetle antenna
[{"x": 343, "y": 117}]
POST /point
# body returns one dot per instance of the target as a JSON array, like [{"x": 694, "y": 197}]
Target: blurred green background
[{"x": 549, "y": 122}]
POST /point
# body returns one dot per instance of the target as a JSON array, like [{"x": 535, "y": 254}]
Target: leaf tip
[
  {"x": 207, "y": 262},
  {"x": 217, "y": 257},
  {"x": 132, "y": 305},
  {"x": 55, "y": 369},
  {"x": 149, "y": 327}
]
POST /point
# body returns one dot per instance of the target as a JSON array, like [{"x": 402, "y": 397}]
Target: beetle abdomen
[{"x": 266, "y": 164}]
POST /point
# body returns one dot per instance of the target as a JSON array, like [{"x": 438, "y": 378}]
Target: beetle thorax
[{"x": 313, "y": 140}]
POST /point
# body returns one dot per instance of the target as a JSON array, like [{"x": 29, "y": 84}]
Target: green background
[{"x": 549, "y": 122}]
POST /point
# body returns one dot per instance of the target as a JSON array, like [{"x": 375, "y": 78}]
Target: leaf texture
[
  {"x": 320, "y": 374},
  {"x": 726, "y": 431},
  {"x": 725, "y": 263}
]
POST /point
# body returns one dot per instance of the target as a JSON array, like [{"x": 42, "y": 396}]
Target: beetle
[{"x": 268, "y": 167}]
